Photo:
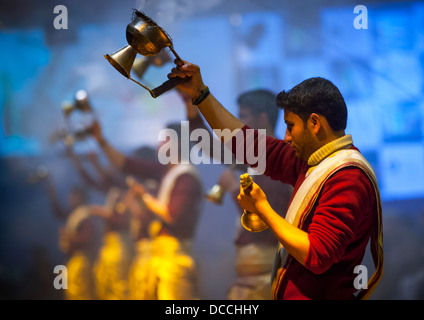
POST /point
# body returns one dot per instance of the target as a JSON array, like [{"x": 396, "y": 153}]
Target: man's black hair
[{"x": 316, "y": 95}]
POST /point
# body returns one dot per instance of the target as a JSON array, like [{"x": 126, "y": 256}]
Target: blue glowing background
[{"x": 379, "y": 70}]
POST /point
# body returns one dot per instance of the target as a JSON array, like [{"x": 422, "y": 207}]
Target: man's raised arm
[{"x": 215, "y": 114}]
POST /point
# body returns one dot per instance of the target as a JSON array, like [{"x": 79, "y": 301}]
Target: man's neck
[
  {"x": 331, "y": 136},
  {"x": 330, "y": 147}
]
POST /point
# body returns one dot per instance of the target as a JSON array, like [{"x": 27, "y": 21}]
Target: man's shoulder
[{"x": 352, "y": 179}]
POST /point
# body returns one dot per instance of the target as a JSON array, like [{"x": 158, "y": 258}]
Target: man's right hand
[
  {"x": 185, "y": 69},
  {"x": 214, "y": 113}
]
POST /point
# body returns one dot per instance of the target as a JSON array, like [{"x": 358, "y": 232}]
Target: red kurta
[{"x": 339, "y": 227}]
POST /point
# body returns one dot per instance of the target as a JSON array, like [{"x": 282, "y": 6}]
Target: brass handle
[
  {"x": 167, "y": 85},
  {"x": 171, "y": 83}
]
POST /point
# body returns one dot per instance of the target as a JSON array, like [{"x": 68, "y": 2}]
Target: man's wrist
[
  {"x": 204, "y": 93},
  {"x": 264, "y": 208}
]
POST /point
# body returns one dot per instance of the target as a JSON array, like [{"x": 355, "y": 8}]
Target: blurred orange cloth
[
  {"x": 167, "y": 272},
  {"x": 112, "y": 267},
  {"x": 80, "y": 284}
]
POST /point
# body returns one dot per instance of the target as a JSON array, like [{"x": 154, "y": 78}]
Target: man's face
[{"x": 300, "y": 137}]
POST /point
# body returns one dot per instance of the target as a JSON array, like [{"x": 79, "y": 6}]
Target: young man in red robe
[{"x": 335, "y": 208}]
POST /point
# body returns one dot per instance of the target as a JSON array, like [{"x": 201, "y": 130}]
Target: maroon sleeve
[
  {"x": 184, "y": 206},
  {"x": 280, "y": 159},
  {"x": 344, "y": 214}
]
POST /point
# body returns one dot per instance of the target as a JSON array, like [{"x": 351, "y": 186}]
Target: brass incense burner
[{"x": 144, "y": 37}]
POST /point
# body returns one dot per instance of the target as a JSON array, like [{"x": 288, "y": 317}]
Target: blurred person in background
[
  {"x": 170, "y": 273},
  {"x": 78, "y": 240},
  {"x": 115, "y": 255},
  {"x": 113, "y": 262},
  {"x": 143, "y": 228}
]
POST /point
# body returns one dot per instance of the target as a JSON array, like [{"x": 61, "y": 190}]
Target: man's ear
[{"x": 315, "y": 122}]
